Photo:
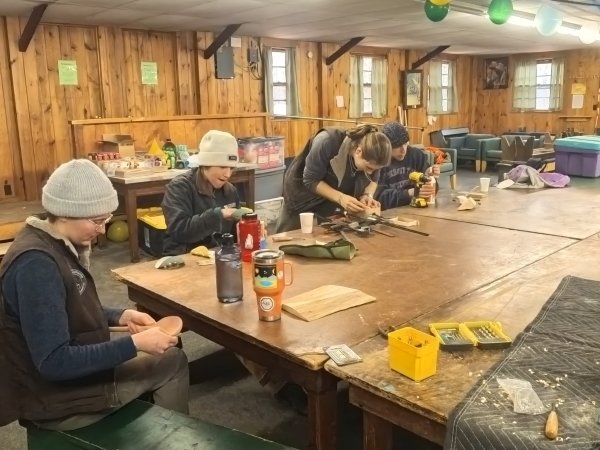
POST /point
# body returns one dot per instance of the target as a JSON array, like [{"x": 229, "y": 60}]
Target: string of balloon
[{"x": 547, "y": 21}]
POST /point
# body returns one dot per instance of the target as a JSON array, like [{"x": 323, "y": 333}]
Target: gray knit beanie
[
  {"x": 79, "y": 189},
  {"x": 396, "y": 133}
]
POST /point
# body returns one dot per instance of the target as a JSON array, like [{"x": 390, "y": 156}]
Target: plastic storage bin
[
  {"x": 151, "y": 231},
  {"x": 413, "y": 353},
  {"x": 578, "y": 156},
  {"x": 266, "y": 152},
  {"x": 268, "y": 183}
]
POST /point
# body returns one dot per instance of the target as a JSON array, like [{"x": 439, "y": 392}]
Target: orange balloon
[{"x": 440, "y": 2}]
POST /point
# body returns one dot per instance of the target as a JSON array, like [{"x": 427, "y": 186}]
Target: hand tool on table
[
  {"x": 375, "y": 219},
  {"x": 551, "y": 429},
  {"x": 418, "y": 179},
  {"x": 340, "y": 226}
]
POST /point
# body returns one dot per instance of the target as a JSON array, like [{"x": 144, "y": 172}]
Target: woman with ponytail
[{"x": 337, "y": 169}]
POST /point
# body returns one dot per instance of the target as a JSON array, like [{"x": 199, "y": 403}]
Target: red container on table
[{"x": 248, "y": 233}]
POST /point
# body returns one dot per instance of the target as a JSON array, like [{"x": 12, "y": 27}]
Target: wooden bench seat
[
  {"x": 141, "y": 425},
  {"x": 4, "y": 248}
]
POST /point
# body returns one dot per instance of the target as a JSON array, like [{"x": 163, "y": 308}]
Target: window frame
[
  {"x": 369, "y": 85},
  {"x": 546, "y": 86},
  {"x": 278, "y": 84}
]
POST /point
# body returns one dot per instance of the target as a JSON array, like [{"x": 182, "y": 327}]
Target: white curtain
[
  {"x": 524, "y": 84},
  {"x": 356, "y": 85},
  {"x": 556, "y": 83},
  {"x": 268, "y": 79},
  {"x": 293, "y": 96},
  {"x": 379, "y": 89},
  {"x": 291, "y": 78},
  {"x": 436, "y": 88},
  {"x": 379, "y": 81},
  {"x": 434, "y": 105},
  {"x": 452, "y": 91}
]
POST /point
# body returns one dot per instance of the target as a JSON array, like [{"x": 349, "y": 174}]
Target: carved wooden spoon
[{"x": 171, "y": 325}]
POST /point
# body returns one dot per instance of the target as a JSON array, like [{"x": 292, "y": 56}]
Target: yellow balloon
[
  {"x": 118, "y": 231},
  {"x": 440, "y": 2}
]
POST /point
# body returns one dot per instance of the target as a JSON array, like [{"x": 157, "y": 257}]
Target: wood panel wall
[
  {"x": 36, "y": 112},
  {"x": 493, "y": 108}
]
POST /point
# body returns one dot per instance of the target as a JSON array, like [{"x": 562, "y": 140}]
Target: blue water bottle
[{"x": 230, "y": 287}]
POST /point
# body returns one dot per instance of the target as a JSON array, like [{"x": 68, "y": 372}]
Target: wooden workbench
[
  {"x": 388, "y": 398},
  {"x": 409, "y": 275}
]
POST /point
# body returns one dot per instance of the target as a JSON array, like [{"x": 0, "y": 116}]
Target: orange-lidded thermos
[{"x": 269, "y": 281}]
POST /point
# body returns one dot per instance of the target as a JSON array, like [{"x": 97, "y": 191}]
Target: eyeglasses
[{"x": 101, "y": 222}]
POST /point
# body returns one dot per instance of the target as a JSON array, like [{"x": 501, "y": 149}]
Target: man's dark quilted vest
[{"x": 24, "y": 394}]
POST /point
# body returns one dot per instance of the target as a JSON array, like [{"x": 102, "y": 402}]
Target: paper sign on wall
[
  {"x": 67, "y": 72},
  {"x": 578, "y": 89},
  {"x": 149, "y": 72},
  {"x": 577, "y": 101}
]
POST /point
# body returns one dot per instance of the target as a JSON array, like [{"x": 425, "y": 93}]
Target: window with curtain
[
  {"x": 538, "y": 84},
  {"x": 442, "y": 95},
  {"x": 368, "y": 86},
  {"x": 281, "y": 82}
]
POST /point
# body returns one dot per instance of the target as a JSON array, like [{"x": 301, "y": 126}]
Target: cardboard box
[{"x": 119, "y": 143}]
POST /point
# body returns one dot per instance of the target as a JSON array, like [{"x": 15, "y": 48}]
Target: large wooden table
[
  {"x": 388, "y": 398},
  {"x": 571, "y": 212},
  {"x": 132, "y": 188},
  {"x": 409, "y": 275}
]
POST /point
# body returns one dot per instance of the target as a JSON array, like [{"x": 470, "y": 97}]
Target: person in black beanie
[
  {"x": 394, "y": 187},
  {"x": 59, "y": 367}
]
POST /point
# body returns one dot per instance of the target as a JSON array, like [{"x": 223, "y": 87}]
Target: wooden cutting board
[{"x": 325, "y": 300}]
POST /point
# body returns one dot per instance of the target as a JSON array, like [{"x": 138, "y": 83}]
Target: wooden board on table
[{"x": 325, "y": 300}]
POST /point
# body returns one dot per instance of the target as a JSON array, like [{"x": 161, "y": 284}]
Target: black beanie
[{"x": 396, "y": 133}]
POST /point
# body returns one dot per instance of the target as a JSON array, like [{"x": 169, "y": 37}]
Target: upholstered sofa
[{"x": 466, "y": 144}]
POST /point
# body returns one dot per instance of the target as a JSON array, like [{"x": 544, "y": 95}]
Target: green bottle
[{"x": 171, "y": 151}]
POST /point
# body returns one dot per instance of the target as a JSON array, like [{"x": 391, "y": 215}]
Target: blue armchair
[
  {"x": 468, "y": 147},
  {"x": 448, "y": 167}
]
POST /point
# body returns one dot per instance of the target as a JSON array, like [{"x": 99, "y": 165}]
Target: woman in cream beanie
[
  {"x": 62, "y": 369},
  {"x": 203, "y": 201}
]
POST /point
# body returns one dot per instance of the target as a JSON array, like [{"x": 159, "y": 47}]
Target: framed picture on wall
[
  {"x": 496, "y": 73},
  {"x": 412, "y": 88}
]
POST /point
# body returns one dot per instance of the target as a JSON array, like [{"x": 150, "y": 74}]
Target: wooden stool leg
[{"x": 453, "y": 182}]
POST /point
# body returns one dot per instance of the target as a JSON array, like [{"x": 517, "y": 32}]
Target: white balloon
[
  {"x": 588, "y": 33},
  {"x": 547, "y": 20}
]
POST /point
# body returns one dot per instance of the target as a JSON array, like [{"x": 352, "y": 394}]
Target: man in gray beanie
[
  {"x": 59, "y": 367},
  {"x": 395, "y": 189}
]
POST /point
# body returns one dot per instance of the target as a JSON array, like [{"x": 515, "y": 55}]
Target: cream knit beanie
[
  {"x": 217, "y": 148},
  {"x": 79, "y": 189}
]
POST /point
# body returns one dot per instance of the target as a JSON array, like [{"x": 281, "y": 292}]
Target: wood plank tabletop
[
  {"x": 514, "y": 300},
  {"x": 13, "y": 215},
  {"x": 571, "y": 212},
  {"x": 408, "y": 274}
]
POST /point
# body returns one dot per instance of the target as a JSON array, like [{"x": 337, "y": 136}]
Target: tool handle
[
  {"x": 118, "y": 329},
  {"x": 551, "y": 430}
]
